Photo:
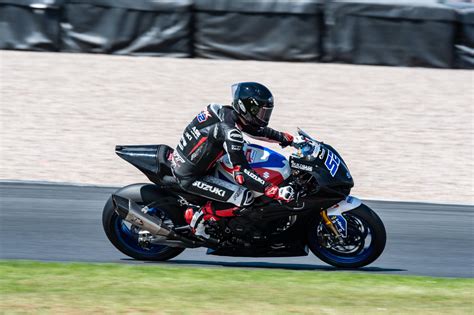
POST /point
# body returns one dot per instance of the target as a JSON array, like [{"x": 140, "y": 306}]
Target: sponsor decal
[
  {"x": 195, "y": 154},
  {"x": 209, "y": 188},
  {"x": 302, "y": 167},
  {"x": 254, "y": 176},
  {"x": 250, "y": 155},
  {"x": 235, "y": 135},
  {"x": 332, "y": 163},
  {"x": 341, "y": 224},
  {"x": 236, "y": 147},
  {"x": 188, "y": 136},
  {"x": 266, "y": 175},
  {"x": 203, "y": 116},
  {"x": 238, "y": 192},
  {"x": 177, "y": 158},
  {"x": 321, "y": 156},
  {"x": 183, "y": 142},
  {"x": 196, "y": 133}
]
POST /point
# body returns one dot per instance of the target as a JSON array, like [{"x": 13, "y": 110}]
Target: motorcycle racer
[{"x": 215, "y": 131}]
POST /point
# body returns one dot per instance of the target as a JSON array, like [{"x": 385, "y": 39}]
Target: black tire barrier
[
  {"x": 258, "y": 30},
  {"x": 390, "y": 34},
  {"x": 122, "y": 27},
  {"x": 464, "y": 40},
  {"x": 30, "y": 24},
  {"x": 355, "y": 31}
]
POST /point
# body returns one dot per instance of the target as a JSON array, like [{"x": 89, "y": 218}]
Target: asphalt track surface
[{"x": 50, "y": 222}]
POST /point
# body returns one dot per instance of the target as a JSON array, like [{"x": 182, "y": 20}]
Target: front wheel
[{"x": 364, "y": 243}]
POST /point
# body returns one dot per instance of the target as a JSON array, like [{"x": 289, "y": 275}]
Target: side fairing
[{"x": 270, "y": 165}]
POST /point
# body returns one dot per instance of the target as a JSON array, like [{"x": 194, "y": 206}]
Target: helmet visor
[{"x": 262, "y": 114}]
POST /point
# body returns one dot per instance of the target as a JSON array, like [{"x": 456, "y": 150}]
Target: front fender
[{"x": 348, "y": 204}]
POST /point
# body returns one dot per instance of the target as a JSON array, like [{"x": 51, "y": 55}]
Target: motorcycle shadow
[{"x": 268, "y": 265}]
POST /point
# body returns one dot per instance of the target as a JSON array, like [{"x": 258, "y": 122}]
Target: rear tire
[
  {"x": 123, "y": 240},
  {"x": 360, "y": 258}
]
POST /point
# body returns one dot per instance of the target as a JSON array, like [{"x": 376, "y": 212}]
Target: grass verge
[{"x": 77, "y": 288}]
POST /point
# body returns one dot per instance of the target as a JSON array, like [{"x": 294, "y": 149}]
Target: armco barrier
[
  {"x": 379, "y": 32},
  {"x": 390, "y": 34},
  {"x": 259, "y": 30},
  {"x": 124, "y": 27},
  {"x": 30, "y": 24}
]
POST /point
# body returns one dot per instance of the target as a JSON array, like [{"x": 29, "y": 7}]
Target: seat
[{"x": 153, "y": 160}]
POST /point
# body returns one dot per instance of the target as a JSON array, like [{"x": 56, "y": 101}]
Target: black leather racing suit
[{"x": 211, "y": 134}]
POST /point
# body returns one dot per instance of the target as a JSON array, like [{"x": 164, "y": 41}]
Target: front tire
[
  {"x": 125, "y": 238},
  {"x": 366, "y": 232}
]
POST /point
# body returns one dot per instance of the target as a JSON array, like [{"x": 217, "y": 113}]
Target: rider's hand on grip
[
  {"x": 287, "y": 140},
  {"x": 285, "y": 193}
]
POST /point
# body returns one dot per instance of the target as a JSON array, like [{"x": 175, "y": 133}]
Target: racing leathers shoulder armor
[{"x": 211, "y": 134}]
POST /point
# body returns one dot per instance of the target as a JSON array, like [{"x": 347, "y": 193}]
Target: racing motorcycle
[{"x": 147, "y": 222}]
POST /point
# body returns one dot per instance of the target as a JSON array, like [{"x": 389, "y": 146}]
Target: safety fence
[{"x": 359, "y": 32}]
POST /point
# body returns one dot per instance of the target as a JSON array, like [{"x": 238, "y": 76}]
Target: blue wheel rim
[
  {"x": 129, "y": 239},
  {"x": 364, "y": 254}
]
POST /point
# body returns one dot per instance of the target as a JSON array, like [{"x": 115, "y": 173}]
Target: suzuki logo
[
  {"x": 254, "y": 176},
  {"x": 209, "y": 188}
]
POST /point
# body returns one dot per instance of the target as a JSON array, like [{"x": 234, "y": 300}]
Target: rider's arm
[
  {"x": 270, "y": 135},
  {"x": 243, "y": 172},
  {"x": 244, "y": 175}
]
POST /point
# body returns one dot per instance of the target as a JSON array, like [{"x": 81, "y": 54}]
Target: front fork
[
  {"x": 331, "y": 227},
  {"x": 329, "y": 223},
  {"x": 336, "y": 211}
]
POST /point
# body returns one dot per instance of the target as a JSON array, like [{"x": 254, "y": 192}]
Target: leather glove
[
  {"x": 287, "y": 139},
  {"x": 285, "y": 193}
]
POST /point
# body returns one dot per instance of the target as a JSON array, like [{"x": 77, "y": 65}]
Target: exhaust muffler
[{"x": 131, "y": 212}]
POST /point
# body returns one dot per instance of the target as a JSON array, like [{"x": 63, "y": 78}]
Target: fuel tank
[{"x": 270, "y": 165}]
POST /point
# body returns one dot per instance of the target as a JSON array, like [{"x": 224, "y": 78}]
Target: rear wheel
[
  {"x": 124, "y": 236},
  {"x": 365, "y": 241}
]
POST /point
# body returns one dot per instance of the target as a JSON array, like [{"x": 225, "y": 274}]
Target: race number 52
[{"x": 332, "y": 163}]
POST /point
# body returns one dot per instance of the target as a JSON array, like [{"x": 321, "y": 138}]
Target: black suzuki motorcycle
[{"x": 146, "y": 221}]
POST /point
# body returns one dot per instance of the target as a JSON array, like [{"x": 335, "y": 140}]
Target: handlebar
[{"x": 305, "y": 144}]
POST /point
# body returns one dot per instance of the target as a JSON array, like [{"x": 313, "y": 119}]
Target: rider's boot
[{"x": 198, "y": 218}]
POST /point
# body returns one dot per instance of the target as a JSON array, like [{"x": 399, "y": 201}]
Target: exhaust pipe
[{"x": 131, "y": 212}]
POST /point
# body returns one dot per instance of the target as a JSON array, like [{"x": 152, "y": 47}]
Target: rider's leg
[
  {"x": 215, "y": 189},
  {"x": 218, "y": 190}
]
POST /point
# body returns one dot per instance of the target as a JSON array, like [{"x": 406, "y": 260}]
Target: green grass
[{"x": 77, "y": 288}]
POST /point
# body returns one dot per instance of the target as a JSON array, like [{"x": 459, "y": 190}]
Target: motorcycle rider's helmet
[{"x": 253, "y": 102}]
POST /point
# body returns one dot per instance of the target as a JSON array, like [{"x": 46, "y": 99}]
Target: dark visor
[{"x": 264, "y": 114}]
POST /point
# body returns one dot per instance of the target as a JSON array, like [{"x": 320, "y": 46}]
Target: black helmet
[{"x": 253, "y": 102}]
